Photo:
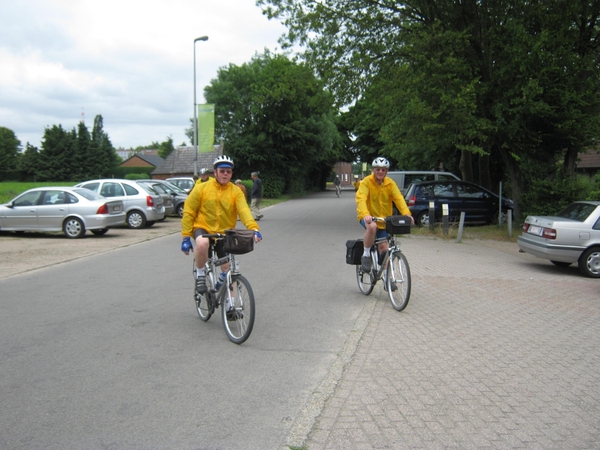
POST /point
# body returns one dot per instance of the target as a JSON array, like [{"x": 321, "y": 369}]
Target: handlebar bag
[
  {"x": 238, "y": 241},
  {"x": 397, "y": 224}
]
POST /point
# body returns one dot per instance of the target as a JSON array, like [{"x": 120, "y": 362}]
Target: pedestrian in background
[
  {"x": 239, "y": 184},
  {"x": 256, "y": 196}
]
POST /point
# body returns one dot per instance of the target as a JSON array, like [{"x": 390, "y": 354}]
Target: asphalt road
[{"x": 107, "y": 352}]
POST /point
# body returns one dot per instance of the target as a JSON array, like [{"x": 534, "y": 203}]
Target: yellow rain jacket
[
  {"x": 376, "y": 200},
  {"x": 215, "y": 208}
]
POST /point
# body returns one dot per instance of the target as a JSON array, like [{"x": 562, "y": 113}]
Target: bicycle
[
  {"x": 234, "y": 295},
  {"x": 396, "y": 278}
]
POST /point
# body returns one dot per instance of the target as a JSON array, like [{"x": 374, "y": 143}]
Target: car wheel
[
  {"x": 589, "y": 262},
  {"x": 423, "y": 219},
  {"x": 100, "y": 232},
  {"x": 136, "y": 219},
  {"x": 180, "y": 210},
  {"x": 561, "y": 263},
  {"x": 73, "y": 228}
]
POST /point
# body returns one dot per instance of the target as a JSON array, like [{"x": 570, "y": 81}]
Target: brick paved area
[{"x": 495, "y": 350}]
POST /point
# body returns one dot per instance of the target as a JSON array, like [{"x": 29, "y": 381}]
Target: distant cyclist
[
  {"x": 213, "y": 207},
  {"x": 376, "y": 196},
  {"x": 338, "y": 183}
]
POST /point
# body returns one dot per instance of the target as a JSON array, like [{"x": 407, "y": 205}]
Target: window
[
  {"x": 467, "y": 191},
  {"x": 130, "y": 190},
  {"x": 443, "y": 190},
  {"x": 28, "y": 199}
]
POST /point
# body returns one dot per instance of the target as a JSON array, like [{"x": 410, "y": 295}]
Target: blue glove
[
  {"x": 186, "y": 245},
  {"x": 258, "y": 235}
]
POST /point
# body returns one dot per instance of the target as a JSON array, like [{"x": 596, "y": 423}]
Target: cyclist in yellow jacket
[
  {"x": 375, "y": 197},
  {"x": 213, "y": 207}
]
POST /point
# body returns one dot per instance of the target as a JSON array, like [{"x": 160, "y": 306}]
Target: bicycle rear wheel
[
  {"x": 398, "y": 277},
  {"x": 366, "y": 281},
  {"x": 238, "y": 310},
  {"x": 204, "y": 306}
]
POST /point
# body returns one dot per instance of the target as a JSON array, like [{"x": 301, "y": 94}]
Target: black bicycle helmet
[{"x": 223, "y": 161}]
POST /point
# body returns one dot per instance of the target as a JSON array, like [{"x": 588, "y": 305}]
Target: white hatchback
[{"x": 143, "y": 205}]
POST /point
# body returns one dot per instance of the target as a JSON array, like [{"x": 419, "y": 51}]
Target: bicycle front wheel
[
  {"x": 398, "y": 281},
  {"x": 238, "y": 310}
]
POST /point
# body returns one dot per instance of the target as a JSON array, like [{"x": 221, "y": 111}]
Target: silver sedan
[
  {"x": 571, "y": 236},
  {"x": 57, "y": 208}
]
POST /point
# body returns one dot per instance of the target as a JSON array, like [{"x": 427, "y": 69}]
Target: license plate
[
  {"x": 535, "y": 230},
  {"x": 117, "y": 208}
]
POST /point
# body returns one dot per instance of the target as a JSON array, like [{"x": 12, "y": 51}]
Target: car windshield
[
  {"x": 86, "y": 193},
  {"x": 577, "y": 211}
]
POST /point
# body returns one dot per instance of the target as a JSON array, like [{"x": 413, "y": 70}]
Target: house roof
[
  {"x": 181, "y": 161},
  {"x": 589, "y": 160},
  {"x": 150, "y": 159}
]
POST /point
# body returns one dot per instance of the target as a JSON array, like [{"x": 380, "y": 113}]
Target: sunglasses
[{"x": 224, "y": 171}]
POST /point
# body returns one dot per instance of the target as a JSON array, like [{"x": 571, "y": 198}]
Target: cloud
[{"x": 129, "y": 61}]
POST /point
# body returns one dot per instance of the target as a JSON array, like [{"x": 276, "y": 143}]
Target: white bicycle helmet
[
  {"x": 381, "y": 162},
  {"x": 223, "y": 161}
]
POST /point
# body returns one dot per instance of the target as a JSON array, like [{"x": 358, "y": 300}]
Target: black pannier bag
[
  {"x": 354, "y": 251},
  {"x": 397, "y": 224},
  {"x": 238, "y": 242}
]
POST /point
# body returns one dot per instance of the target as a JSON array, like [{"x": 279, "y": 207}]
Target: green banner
[{"x": 206, "y": 128}]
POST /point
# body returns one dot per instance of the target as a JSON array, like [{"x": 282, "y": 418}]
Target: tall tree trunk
[
  {"x": 485, "y": 178},
  {"x": 570, "y": 162},
  {"x": 465, "y": 166},
  {"x": 516, "y": 177}
]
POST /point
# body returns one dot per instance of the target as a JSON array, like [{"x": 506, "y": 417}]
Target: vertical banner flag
[{"x": 206, "y": 128}]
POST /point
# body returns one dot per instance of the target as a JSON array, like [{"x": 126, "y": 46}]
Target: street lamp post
[{"x": 201, "y": 38}]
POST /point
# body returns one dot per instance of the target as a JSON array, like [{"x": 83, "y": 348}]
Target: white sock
[
  {"x": 367, "y": 252},
  {"x": 199, "y": 272}
]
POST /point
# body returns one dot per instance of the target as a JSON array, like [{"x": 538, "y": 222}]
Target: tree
[
  {"x": 103, "y": 158},
  {"x": 9, "y": 150},
  {"x": 513, "y": 82},
  {"x": 29, "y": 162},
  {"x": 275, "y": 117},
  {"x": 57, "y": 157},
  {"x": 166, "y": 147}
]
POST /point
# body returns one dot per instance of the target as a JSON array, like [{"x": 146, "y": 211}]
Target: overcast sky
[{"x": 130, "y": 61}]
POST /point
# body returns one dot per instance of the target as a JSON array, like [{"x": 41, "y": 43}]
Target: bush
[
  {"x": 545, "y": 197},
  {"x": 136, "y": 176}
]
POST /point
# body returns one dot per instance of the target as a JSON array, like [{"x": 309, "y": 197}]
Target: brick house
[
  {"x": 181, "y": 161},
  {"x": 142, "y": 160},
  {"x": 344, "y": 170},
  {"x": 588, "y": 164}
]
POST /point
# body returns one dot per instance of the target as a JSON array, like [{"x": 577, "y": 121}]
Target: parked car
[
  {"x": 571, "y": 236},
  {"x": 143, "y": 205},
  {"x": 179, "y": 195},
  {"x": 479, "y": 204},
  {"x": 167, "y": 198},
  {"x": 405, "y": 178},
  {"x": 185, "y": 183},
  {"x": 67, "y": 209}
]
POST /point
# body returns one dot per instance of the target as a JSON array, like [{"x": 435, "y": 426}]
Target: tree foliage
[
  {"x": 9, "y": 148},
  {"x": 502, "y": 87},
  {"x": 275, "y": 117},
  {"x": 76, "y": 154}
]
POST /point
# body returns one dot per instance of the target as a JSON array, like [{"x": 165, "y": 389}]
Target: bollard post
[
  {"x": 445, "y": 218},
  {"x": 461, "y": 225},
  {"x": 431, "y": 216},
  {"x": 509, "y": 219}
]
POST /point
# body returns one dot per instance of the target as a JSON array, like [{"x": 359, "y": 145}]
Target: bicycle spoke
[{"x": 238, "y": 310}]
